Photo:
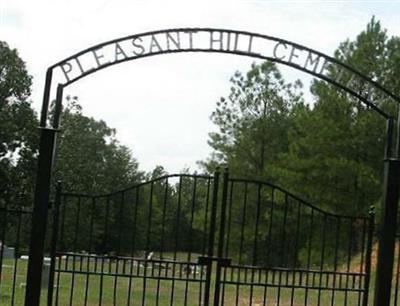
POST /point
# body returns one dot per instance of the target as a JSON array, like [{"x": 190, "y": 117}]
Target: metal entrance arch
[{"x": 221, "y": 41}]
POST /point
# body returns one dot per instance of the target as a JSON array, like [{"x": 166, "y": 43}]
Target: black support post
[
  {"x": 387, "y": 234},
  {"x": 221, "y": 239},
  {"x": 211, "y": 239},
  {"x": 39, "y": 216}
]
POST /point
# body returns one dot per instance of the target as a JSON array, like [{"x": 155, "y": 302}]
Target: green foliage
[
  {"x": 336, "y": 148},
  {"x": 330, "y": 153},
  {"x": 253, "y": 121},
  {"x": 89, "y": 157},
  {"x": 18, "y": 127},
  {"x": 15, "y": 81}
]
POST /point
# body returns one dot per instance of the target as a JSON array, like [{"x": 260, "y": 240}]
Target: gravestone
[
  {"x": 45, "y": 271},
  {"x": 45, "y": 275},
  {"x": 8, "y": 253}
]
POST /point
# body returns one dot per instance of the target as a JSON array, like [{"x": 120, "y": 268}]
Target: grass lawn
[{"x": 110, "y": 284}]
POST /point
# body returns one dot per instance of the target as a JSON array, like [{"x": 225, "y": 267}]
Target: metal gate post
[
  {"x": 47, "y": 147},
  {"x": 211, "y": 239},
  {"x": 39, "y": 217},
  {"x": 387, "y": 233},
  {"x": 220, "y": 260}
]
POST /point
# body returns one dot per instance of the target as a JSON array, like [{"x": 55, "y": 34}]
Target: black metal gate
[
  {"x": 286, "y": 251},
  {"x": 205, "y": 240}
]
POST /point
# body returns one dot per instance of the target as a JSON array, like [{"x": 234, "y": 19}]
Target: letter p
[{"x": 66, "y": 68}]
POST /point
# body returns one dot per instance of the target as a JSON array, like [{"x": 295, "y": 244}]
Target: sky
[{"x": 161, "y": 106}]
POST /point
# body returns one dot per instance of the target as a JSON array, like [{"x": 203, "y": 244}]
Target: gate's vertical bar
[
  {"x": 368, "y": 255},
  {"x": 41, "y": 205},
  {"x": 255, "y": 241},
  {"x": 223, "y": 213},
  {"x": 92, "y": 210},
  {"x": 387, "y": 233},
  {"x": 133, "y": 244},
  {"x": 228, "y": 237},
  {"x": 176, "y": 244},
  {"x": 211, "y": 237},
  {"x": 54, "y": 239},
  {"x": 18, "y": 216},
  {"x": 242, "y": 222},
  {"x": 189, "y": 254},
  {"x": 205, "y": 231},
  {"x": 148, "y": 240},
  {"x": 220, "y": 253}
]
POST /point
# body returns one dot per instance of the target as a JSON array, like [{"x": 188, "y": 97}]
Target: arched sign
[
  {"x": 209, "y": 40},
  {"x": 242, "y": 43}
]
